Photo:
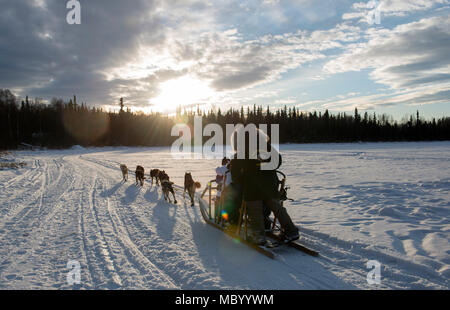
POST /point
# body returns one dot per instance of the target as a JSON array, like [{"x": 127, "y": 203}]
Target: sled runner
[
  {"x": 208, "y": 219},
  {"x": 240, "y": 233}
]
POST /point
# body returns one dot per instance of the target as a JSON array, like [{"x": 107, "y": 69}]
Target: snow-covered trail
[
  {"x": 73, "y": 206},
  {"x": 63, "y": 214}
]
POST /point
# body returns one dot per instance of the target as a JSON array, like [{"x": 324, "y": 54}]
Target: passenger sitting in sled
[
  {"x": 223, "y": 177},
  {"x": 221, "y": 174},
  {"x": 227, "y": 193}
]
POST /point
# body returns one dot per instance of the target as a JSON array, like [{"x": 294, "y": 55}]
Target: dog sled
[{"x": 212, "y": 215}]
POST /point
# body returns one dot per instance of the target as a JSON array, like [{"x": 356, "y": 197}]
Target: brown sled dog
[
  {"x": 190, "y": 186},
  {"x": 124, "y": 170},
  {"x": 166, "y": 186},
  {"x": 140, "y": 175},
  {"x": 154, "y": 174}
]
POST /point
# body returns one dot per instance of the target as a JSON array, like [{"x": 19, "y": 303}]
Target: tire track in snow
[
  {"x": 94, "y": 251},
  {"x": 167, "y": 255},
  {"x": 100, "y": 246},
  {"x": 27, "y": 175},
  {"x": 84, "y": 247},
  {"x": 54, "y": 191},
  {"x": 31, "y": 228},
  {"x": 135, "y": 254},
  {"x": 157, "y": 245},
  {"x": 38, "y": 246},
  {"x": 118, "y": 238},
  {"x": 12, "y": 206},
  {"x": 44, "y": 265},
  {"x": 11, "y": 222}
]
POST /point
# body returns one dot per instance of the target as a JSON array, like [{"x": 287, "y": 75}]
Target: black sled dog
[
  {"x": 140, "y": 175},
  {"x": 154, "y": 174}
]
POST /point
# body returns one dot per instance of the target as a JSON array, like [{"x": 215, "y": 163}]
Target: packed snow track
[{"x": 71, "y": 205}]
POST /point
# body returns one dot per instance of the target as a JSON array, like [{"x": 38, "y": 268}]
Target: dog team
[{"x": 162, "y": 178}]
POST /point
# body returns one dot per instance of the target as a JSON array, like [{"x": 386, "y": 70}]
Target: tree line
[{"x": 62, "y": 124}]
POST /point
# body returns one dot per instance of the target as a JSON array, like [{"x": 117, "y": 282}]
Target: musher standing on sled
[{"x": 259, "y": 188}]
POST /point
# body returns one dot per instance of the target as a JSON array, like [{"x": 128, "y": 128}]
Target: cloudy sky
[{"x": 313, "y": 55}]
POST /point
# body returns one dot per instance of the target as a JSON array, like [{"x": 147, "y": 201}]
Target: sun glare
[{"x": 184, "y": 91}]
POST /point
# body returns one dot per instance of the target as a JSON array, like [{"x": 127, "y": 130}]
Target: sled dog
[
  {"x": 167, "y": 186},
  {"x": 140, "y": 175},
  {"x": 190, "y": 186},
  {"x": 154, "y": 174},
  {"x": 124, "y": 170}
]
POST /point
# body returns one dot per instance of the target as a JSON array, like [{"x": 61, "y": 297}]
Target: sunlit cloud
[
  {"x": 158, "y": 55},
  {"x": 412, "y": 59}
]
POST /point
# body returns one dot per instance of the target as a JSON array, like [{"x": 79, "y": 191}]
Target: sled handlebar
[{"x": 284, "y": 176}]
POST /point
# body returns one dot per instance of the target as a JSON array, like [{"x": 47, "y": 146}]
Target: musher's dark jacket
[{"x": 255, "y": 183}]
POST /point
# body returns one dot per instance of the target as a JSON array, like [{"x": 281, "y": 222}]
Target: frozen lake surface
[{"x": 388, "y": 202}]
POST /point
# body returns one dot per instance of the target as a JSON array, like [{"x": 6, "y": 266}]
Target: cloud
[
  {"x": 131, "y": 50},
  {"x": 241, "y": 78},
  {"x": 388, "y": 8},
  {"x": 408, "y": 56},
  {"x": 123, "y": 50},
  {"x": 43, "y": 55},
  {"x": 420, "y": 96},
  {"x": 411, "y": 59},
  {"x": 402, "y": 7},
  {"x": 229, "y": 63}
]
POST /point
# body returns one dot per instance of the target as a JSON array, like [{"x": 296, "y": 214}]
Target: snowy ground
[{"x": 353, "y": 202}]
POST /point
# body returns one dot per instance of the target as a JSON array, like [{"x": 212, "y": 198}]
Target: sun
[{"x": 183, "y": 91}]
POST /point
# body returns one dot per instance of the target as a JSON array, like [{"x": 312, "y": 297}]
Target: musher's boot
[
  {"x": 289, "y": 237},
  {"x": 257, "y": 239}
]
